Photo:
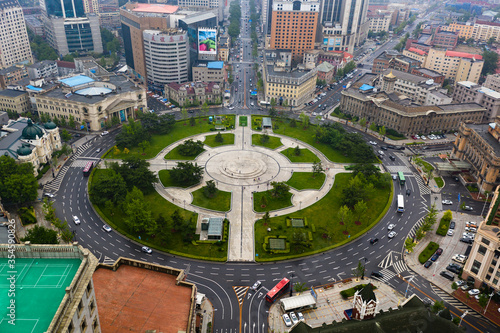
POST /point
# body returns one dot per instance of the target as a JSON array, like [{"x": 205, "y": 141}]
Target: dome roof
[
  {"x": 24, "y": 150},
  {"x": 31, "y": 131},
  {"x": 49, "y": 125},
  {"x": 390, "y": 75}
]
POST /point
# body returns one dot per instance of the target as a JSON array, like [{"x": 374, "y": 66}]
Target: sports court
[{"x": 40, "y": 288}]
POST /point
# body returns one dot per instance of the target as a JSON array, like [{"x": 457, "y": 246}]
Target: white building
[
  {"x": 166, "y": 54},
  {"x": 14, "y": 43},
  {"x": 414, "y": 87},
  {"x": 436, "y": 97},
  {"x": 379, "y": 21},
  {"x": 42, "y": 69}
]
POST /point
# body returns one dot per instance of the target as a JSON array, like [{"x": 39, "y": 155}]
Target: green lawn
[
  {"x": 395, "y": 138},
  {"x": 174, "y": 155},
  {"x": 439, "y": 181},
  {"x": 329, "y": 233},
  {"x": 305, "y": 181},
  {"x": 427, "y": 252},
  {"x": 427, "y": 165},
  {"x": 307, "y": 136},
  {"x": 116, "y": 219},
  {"x": 243, "y": 121},
  {"x": 221, "y": 202},
  {"x": 228, "y": 139},
  {"x": 306, "y": 156},
  {"x": 166, "y": 181},
  {"x": 272, "y": 203},
  {"x": 181, "y": 130},
  {"x": 273, "y": 143}
]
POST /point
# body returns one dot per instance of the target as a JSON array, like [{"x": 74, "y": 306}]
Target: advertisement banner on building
[
  {"x": 207, "y": 41},
  {"x": 325, "y": 41}
]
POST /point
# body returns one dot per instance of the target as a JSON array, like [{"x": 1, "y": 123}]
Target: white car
[
  {"x": 146, "y": 249},
  {"x": 287, "y": 320},
  {"x": 50, "y": 195},
  {"x": 294, "y": 318},
  {"x": 447, "y": 202},
  {"x": 469, "y": 235},
  {"x": 390, "y": 227},
  {"x": 256, "y": 285},
  {"x": 423, "y": 137},
  {"x": 381, "y": 152},
  {"x": 231, "y": 107},
  {"x": 372, "y": 143},
  {"x": 76, "y": 220},
  {"x": 450, "y": 232},
  {"x": 459, "y": 258},
  {"x": 301, "y": 317},
  {"x": 391, "y": 234},
  {"x": 473, "y": 292},
  {"x": 106, "y": 228},
  {"x": 104, "y": 133}
]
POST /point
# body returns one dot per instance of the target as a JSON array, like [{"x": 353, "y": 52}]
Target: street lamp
[
  {"x": 364, "y": 269},
  {"x": 485, "y": 202},
  {"x": 462, "y": 317},
  {"x": 408, "y": 284},
  {"x": 184, "y": 204},
  {"x": 291, "y": 283},
  {"x": 486, "y": 308}
]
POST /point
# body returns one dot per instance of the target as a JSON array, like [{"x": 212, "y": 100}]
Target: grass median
[
  {"x": 220, "y": 202},
  {"x": 306, "y": 156},
  {"x": 306, "y": 181}
]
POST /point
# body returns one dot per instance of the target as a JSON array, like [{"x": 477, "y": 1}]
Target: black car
[
  {"x": 447, "y": 275},
  {"x": 383, "y": 147},
  {"x": 452, "y": 225},
  {"x": 453, "y": 269},
  {"x": 455, "y": 178},
  {"x": 408, "y": 192},
  {"x": 373, "y": 241},
  {"x": 377, "y": 274},
  {"x": 439, "y": 251},
  {"x": 428, "y": 264},
  {"x": 391, "y": 147},
  {"x": 392, "y": 158}
]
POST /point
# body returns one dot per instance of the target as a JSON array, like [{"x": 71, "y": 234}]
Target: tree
[
  {"x": 360, "y": 209},
  {"x": 210, "y": 189},
  {"x": 483, "y": 300},
  {"x": 18, "y": 185},
  {"x": 266, "y": 216},
  {"x": 144, "y": 145},
  {"x": 190, "y": 148},
  {"x": 359, "y": 270},
  {"x": 300, "y": 287},
  {"x": 273, "y": 102},
  {"x": 204, "y": 108},
  {"x": 219, "y": 138},
  {"x": 304, "y": 118},
  {"x": 428, "y": 174},
  {"x": 184, "y": 114},
  {"x": 317, "y": 168},
  {"x": 454, "y": 286},
  {"x": 490, "y": 65},
  {"x": 139, "y": 217},
  {"x": 296, "y": 151},
  {"x": 110, "y": 186},
  {"x": 192, "y": 121},
  {"x": 65, "y": 135},
  {"x": 409, "y": 244},
  {"x": 382, "y": 130},
  {"x": 344, "y": 215},
  {"x": 263, "y": 202},
  {"x": 41, "y": 235},
  {"x": 135, "y": 171},
  {"x": 272, "y": 112},
  {"x": 132, "y": 134},
  {"x": 445, "y": 313},
  {"x": 300, "y": 240},
  {"x": 186, "y": 173},
  {"x": 264, "y": 138},
  {"x": 362, "y": 122},
  {"x": 438, "y": 306},
  {"x": 373, "y": 127},
  {"x": 280, "y": 189}
]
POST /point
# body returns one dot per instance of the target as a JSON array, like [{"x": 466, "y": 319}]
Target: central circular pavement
[{"x": 242, "y": 167}]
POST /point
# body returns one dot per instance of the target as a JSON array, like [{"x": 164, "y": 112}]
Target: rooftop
[
  {"x": 197, "y": 17},
  {"x": 482, "y": 131},
  {"x": 76, "y": 80},
  {"x": 492, "y": 93},
  {"x": 429, "y": 72},
  {"x": 405, "y": 76},
  {"x": 139, "y": 299},
  {"x": 418, "y": 51},
  {"x": 325, "y": 67},
  {"x": 467, "y": 84},
  {"x": 463, "y": 55},
  {"x": 11, "y": 93},
  {"x": 285, "y": 74},
  {"x": 215, "y": 65},
  {"x": 155, "y": 8},
  {"x": 39, "y": 281}
]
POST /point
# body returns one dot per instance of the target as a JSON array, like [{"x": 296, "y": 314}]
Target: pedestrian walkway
[
  {"x": 453, "y": 301},
  {"x": 54, "y": 185}
]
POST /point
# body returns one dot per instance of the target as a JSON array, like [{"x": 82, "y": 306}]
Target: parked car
[
  {"x": 452, "y": 225},
  {"x": 301, "y": 317},
  {"x": 428, "y": 264},
  {"x": 439, "y": 251},
  {"x": 468, "y": 208},
  {"x": 459, "y": 258},
  {"x": 461, "y": 283},
  {"x": 450, "y": 232},
  {"x": 447, "y": 202},
  {"x": 50, "y": 195},
  {"x": 466, "y": 240},
  {"x": 471, "y": 229},
  {"x": 453, "y": 269},
  {"x": 294, "y": 318},
  {"x": 471, "y": 224},
  {"x": 287, "y": 320},
  {"x": 469, "y": 235},
  {"x": 447, "y": 275},
  {"x": 434, "y": 257},
  {"x": 473, "y": 292}
]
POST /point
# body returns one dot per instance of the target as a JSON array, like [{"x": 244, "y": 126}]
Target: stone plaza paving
[{"x": 242, "y": 168}]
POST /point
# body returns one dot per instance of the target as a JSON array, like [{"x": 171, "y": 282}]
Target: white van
[{"x": 252, "y": 104}]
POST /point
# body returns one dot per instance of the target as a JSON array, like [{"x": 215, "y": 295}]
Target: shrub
[
  {"x": 427, "y": 252},
  {"x": 27, "y": 215},
  {"x": 392, "y": 132},
  {"x": 351, "y": 291},
  {"x": 444, "y": 223}
]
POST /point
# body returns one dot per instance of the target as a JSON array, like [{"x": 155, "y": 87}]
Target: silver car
[
  {"x": 294, "y": 318},
  {"x": 287, "y": 320}
]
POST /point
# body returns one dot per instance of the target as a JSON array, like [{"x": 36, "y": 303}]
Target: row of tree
[{"x": 234, "y": 19}]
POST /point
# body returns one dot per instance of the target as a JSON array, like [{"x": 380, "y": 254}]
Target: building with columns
[
  {"x": 478, "y": 144},
  {"x": 91, "y": 101}
]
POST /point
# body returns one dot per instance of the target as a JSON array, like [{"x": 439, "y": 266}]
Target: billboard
[{"x": 207, "y": 41}]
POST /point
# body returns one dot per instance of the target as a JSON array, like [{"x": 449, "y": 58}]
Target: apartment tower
[
  {"x": 14, "y": 44},
  {"x": 293, "y": 26}
]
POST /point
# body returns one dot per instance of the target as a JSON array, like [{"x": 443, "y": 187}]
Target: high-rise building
[
  {"x": 294, "y": 26},
  {"x": 14, "y": 43},
  {"x": 69, "y": 29},
  {"x": 166, "y": 54},
  {"x": 344, "y": 24}
]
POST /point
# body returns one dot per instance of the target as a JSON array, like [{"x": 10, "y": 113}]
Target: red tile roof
[
  {"x": 66, "y": 64},
  {"x": 463, "y": 55},
  {"x": 495, "y": 24},
  {"x": 415, "y": 50}
]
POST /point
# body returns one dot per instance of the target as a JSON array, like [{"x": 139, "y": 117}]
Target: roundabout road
[{"x": 223, "y": 282}]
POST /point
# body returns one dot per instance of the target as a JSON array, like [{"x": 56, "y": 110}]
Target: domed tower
[
  {"x": 388, "y": 82},
  {"x": 53, "y": 130},
  {"x": 32, "y": 132}
]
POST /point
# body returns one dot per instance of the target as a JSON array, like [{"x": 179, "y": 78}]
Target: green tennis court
[{"x": 39, "y": 289}]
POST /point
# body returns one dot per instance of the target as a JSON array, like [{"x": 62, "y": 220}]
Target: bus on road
[
  {"x": 402, "y": 180},
  {"x": 278, "y": 290},
  {"x": 88, "y": 169},
  {"x": 401, "y": 203}
]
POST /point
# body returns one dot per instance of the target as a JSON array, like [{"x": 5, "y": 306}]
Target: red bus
[
  {"x": 278, "y": 289},
  {"x": 88, "y": 169}
]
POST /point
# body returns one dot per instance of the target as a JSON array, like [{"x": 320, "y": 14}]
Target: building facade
[
  {"x": 464, "y": 30},
  {"x": 294, "y": 26},
  {"x": 478, "y": 145},
  {"x": 14, "y": 44},
  {"x": 15, "y": 100},
  {"x": 379, "y": 21},
  {"x": 34, "y": 24},
  {"x": 326, "y": 71},
  {"x": 467, "y": 92},
  {"x": 92, "y": 102},
  {"x": 42, "y": 69},
  {"x": 12, "y": 75},
  {"x": 446, "y": 39},
  {"x": 484, "y": 30},
  {"x": 457, "y": 66},
  {"x": 492, "y": 82},
  {"x": 483, "y": 262},
  {"x": 213, "y": 71},
  {"x": 166, "y": 54},
  {"x": 413, "y": 86},
  {"x": 194, "y": 93},
  {"x": 392, "y": 111}
]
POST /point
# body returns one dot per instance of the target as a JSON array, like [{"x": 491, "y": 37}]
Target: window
[
  {"x": 481, "y": 250},
  {"x": 485, "y": 241},
  {"x": 475, "y": 267}
]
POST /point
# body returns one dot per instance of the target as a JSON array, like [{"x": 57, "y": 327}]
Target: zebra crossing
[
  {"x": 81, "y": 149},
  {"x": 398, "y": 168},
  {"x": 400, "y": 267},
  {"x": 417, "y": 225},
  {"x": 240, "y": 292},
  {"x": 387, "y": 275},
  {"x": 454, "y": 302},
  {"x": 54, "y": 185},
  {"x": 392, "y": 260},
  {"x": 81, "y": 163},
  {"x": 424, "y": 189},
  {"x": 108, "y": 261}
]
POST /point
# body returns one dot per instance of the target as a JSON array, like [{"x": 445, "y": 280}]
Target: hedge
[
  {"x": 27, "y": 215},
  {"x": 444, "y": 223},
  {"x": 428, "y": 252},
  {"x": 351, "y": 291}
]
